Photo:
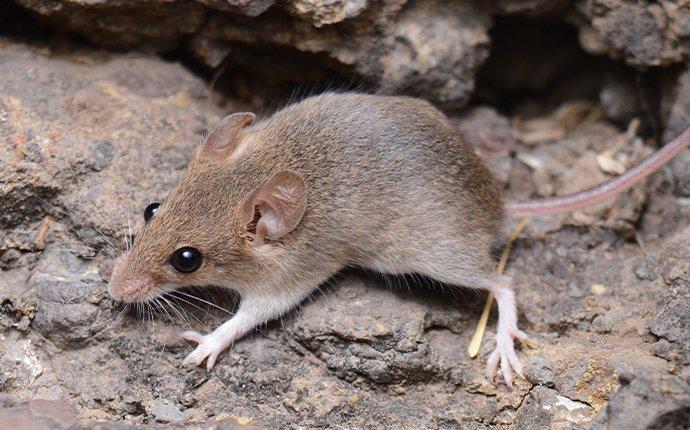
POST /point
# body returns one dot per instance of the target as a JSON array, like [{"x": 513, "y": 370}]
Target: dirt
[{"x": 92, "y": 134}]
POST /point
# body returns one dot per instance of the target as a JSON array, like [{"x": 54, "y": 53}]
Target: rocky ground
[{"x": 102, "y": 104}]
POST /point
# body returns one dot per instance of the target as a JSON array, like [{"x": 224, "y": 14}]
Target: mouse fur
[{"x": 388, "y": 185}]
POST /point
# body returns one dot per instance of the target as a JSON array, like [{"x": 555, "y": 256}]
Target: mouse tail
[{"x": 601, "y": 192}]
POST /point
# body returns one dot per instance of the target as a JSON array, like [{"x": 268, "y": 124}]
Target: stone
[
  {"x": 676, "y": 111},
  {"x": 166, "y": 412},
  {"x": 668, "y": 399},
  {"x": 36, "y": 414},
  {"x": 367, "y": 339},
  {"x": 643, "y": 34},
  {"x": 123, "y": 23},
  {"x": 390, "y": 42}
]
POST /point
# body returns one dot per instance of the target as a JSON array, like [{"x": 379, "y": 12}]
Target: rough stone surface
[
  {"x": 431, "y": 48},
  {"x": 676, "y": 111},
  {"x": 406, "y": 47},
  {"x": 642, "y": 33},
  {"x": 35, "y": 414},
  {"x": 57, "y": 415},
  {"x": 123, "y": 23},
  {"x": 391, "y": 42},
  {"x": 89, "y": 138}
]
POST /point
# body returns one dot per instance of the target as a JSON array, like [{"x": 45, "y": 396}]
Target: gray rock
[
  {"x": 670, "y": 323},
  {"x": 58, "y": 415},
  {"x": 166, "y": 412},
  {"x": 539, "y": 371},
  {"x": 676, "y": 111},
  {"x": 643, "y": 34},
  {"x": 36, "y": 414},
  {"x": 667, "y": 401},
  {"x": 431, "y": 48},
  {"x": 358, "y": 333},
  {"x": 66, "y": 289},
  {"x": 545, "y": 408},
  {"x": 123, "y": 23}
]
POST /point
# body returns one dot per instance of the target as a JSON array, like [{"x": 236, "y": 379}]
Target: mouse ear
[
  {"x": 281, "y": 203},
  {"x": 222, "y": 141}
]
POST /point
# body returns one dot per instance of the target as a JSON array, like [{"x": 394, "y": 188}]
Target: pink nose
[{"x": 127, "y": 286}]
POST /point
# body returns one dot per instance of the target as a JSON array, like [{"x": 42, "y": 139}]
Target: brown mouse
[{"x": 272, "y": 209}]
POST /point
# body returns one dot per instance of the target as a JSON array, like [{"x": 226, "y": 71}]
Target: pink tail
[{"x": 601, "y": 192}]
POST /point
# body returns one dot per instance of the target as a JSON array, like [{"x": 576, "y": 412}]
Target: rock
[
  {"x": 643, "y": 34},
  {"x": 244, "y": 7},
  {"x": 530, "y": 7},
  {"x": 126, "y": 23},
  {"x": 670, "y": 323},
  {"x": 36, "y": 414},
  {"x": 676, "y": 111},
  {"x": 667, "y": 401},
  {"x": 392, "y": 43},
  {"x": 57, "y": 415},
  {"x": 16, "y": 308},
  {"x": 367, "y": 339},
  {"x": 419, "y": 55},
  {"x": 539, "y": 371},
  {"x": 321, "y": 13},
  {"x": 545, "y": 408},
  {"x": 166, "y": 412},
  {"x": 66, "y": 289},
  {"x": 389, "y": 44},
  {"x": 20, "y": 362},
  {"x": 77, "y": 179}
]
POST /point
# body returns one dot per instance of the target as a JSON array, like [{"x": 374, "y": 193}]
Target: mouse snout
[{"x": 127, "y": 286}]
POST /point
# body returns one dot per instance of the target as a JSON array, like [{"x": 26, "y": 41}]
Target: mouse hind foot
[{"x": 507, "y": 331}]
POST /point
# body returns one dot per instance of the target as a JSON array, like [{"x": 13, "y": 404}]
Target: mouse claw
[
  {"x": 192, "y": 336},
  {"x": 209, "y": 348},
  {"x": 504, "y": 354}
]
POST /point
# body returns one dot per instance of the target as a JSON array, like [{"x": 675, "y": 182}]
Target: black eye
[
  {"x": 186, "y": 259},
  {"x": 150, "y": 211}
]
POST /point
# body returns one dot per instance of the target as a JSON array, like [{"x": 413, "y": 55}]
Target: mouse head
[{"x": 219, "y": 224}]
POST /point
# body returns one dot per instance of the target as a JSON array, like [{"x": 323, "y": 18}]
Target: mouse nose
[{"x": 129, "y": 287}]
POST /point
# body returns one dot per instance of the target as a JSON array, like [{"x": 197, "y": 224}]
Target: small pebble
[{"x": 598, "y": 289}]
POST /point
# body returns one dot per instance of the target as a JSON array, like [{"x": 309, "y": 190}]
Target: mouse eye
[
  {"x": 150, "y": 211},
  {"x": 186, "y": 260}
]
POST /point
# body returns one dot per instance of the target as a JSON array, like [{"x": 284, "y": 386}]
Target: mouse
[{"x": 272, "y": 208}]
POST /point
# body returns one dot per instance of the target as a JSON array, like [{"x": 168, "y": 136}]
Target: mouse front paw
[
  {"x": 209, "y": 348},
  {"x": 505, "y": 355}
]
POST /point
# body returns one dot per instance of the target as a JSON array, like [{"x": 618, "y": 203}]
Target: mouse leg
[
  {"x": 503, "y": 291},
  {"x": 506, "y": 332},
  {"x": 253, "y": 311}
]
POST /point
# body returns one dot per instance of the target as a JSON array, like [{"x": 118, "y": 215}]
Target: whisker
[
  {"x": 198, "y": 307},
  {"x": 203, "y": 324},
  {"x": 174, "y": 308},
  {"x": 129, "y": 241},
  {"x": 159, "y": 308},
  {"x": 112, "y": 321},
  {"x": 205, "y": 301}
]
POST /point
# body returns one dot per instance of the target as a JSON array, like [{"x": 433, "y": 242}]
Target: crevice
[{"x": 536, "y": 64}]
